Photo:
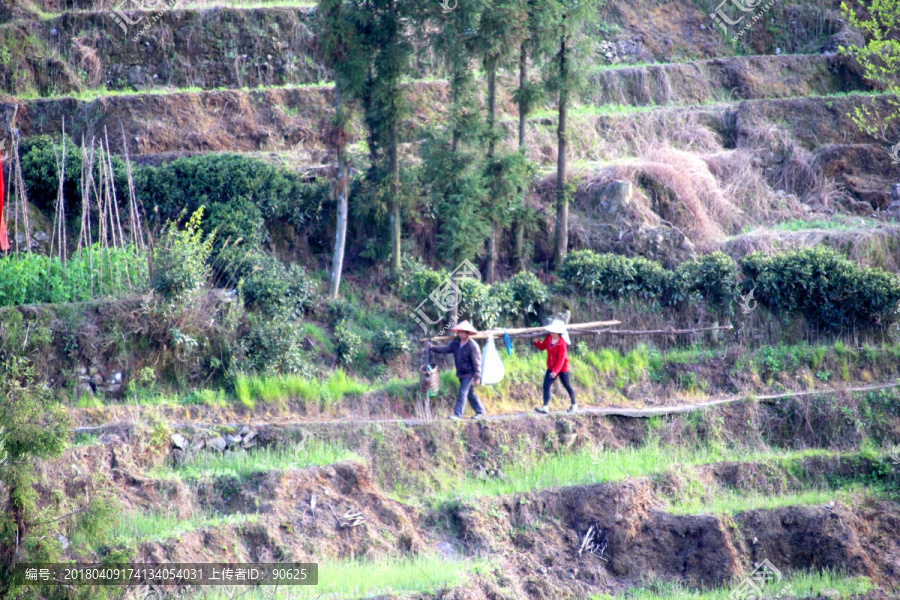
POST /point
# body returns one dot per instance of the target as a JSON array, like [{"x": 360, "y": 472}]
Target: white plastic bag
[{"x": 492, "y": 369}]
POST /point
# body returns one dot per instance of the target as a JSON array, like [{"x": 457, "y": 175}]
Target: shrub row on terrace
[{"x": 830, "y": 290}]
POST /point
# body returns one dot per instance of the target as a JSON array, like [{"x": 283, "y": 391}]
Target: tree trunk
[
  {"x": 523, "y": 83},
  {"x": 519, "y": 243},
  {"x": 562, "y": 201},
  {"x": 454, "y": 99},
  {"x": 394, "y": 165},
  {"x": 491, "y": 64},
  {"x": 491, "y": 267},
  {"x": 340, "y": 191}
]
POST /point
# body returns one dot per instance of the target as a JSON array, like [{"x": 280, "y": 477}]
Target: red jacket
[{"x": 557, "y": 354}]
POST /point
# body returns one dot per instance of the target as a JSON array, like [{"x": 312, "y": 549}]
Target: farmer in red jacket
[{"x": 557, "y": 346}]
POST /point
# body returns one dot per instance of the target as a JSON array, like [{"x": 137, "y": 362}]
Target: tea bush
[
  {"x": 527, "y": 294},
  {"x": 271, "y": 346},
  {"x": 711, "y": 277},
  {"x": 278, "y": 291},
  {"x": 389, "y": 344},
  {"x": 347, "y": 343},
  {"x": 230, "y": 179},
  {"x": 611, "y": 277},
  {"x": 830, "y": 290}
]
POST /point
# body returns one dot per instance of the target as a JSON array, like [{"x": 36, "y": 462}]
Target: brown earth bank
[
  {"x": 535, "y": 536},
  {"x": 416, "y": 456},
  {"x": 235, "y": 46},
  {"x": 277, "y": 118}
]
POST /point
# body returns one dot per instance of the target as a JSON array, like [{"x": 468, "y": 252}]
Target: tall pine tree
[
  {"x": 571, "y": 23},
  {"x": 340, "y": 44}
]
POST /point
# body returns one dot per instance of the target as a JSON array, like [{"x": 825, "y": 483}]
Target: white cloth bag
[{"x": 492, "y": 369}]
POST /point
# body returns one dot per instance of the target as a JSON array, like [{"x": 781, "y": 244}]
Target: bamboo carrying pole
[
  {"x": 583, "y": 329},
  {"x": 579, "y": 329}
]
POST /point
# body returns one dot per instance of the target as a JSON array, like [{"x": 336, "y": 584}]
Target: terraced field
[{"x": 693, "y": 458}]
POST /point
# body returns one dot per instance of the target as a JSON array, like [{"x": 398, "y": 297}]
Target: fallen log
[{"x": 527, "y": 332}]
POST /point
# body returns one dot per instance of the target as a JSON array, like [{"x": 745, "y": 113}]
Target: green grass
[
  {"x": 730, "y": 502},
  {"x": 589, "y": 466},
  {"x": 86, "y": 439},
  {"x": 102, "y": 92},
  {"x": 840, "y": 223},
  {"x": 278, "y": 388},
  {"x": 351, "y": 579},
  {"x": 155, "y": 526},
  {"x": 243, "y": 464},
  {"x": 827, "y": 584}
]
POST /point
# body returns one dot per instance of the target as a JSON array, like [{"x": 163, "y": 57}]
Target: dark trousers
[
  {"x": 466, "y": 389},
  {"x": 566, "y": 381}
]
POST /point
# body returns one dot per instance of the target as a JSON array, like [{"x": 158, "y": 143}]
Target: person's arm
[
  {"x": 446, "y": 349},
  {"x": 476, "y": 361},
  {"x": 559, "y": 358},
  {"x": 543, "y": 344}
]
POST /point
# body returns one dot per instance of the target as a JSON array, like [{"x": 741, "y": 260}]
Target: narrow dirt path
[{"x": 636, "y": 413}]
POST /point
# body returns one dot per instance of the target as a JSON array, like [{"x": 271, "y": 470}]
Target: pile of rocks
[
  {"x": 244, "y": 438},
  {"x": 91, "y": 380}
]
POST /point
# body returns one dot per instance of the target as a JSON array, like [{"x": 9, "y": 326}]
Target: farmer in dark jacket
[{"x": 467, "y": 357}]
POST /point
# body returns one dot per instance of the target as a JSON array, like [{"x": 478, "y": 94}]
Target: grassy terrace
[
  {"x": 583, "y": 110},
  {"x": 207, "y": 465},
  {"x": 730, "y": 502},
  {"x": 801, "y": 585},
  {"x": 157, "y": 526},
  {"x": 592, "y": 466},
  {"x": 346, "y": 579},
  {"x": 605, "y": 369}
]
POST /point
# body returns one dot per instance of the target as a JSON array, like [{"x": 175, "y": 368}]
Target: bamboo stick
[
  {"x": 577, "y": 329},
  {"x": 668, "y": 331},
  {"x": 585, "y": 329}
]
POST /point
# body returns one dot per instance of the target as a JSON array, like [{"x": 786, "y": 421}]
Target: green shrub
[
  {"x": 239, "y": 219},
  {"x": 275, "y": 290},
  {"x": 712, "y": 277},
  {"x": 421, "y": 283},
  {"x": 830, "y": 290},
  {"x": 612, "y": 277},
  {"x": 272, "y": 346},
  {"x": 212, "y": 179},
  {"x": 179, "y": 259},
  {"x": 480, "y": 303},
  {"x": 527, "y": 294},
  {"x": 339, "y": 310},
  {"x": 391, "y": 344},
  {"x": 347, "y": 343},
  {"x": 41, "y": 175}
]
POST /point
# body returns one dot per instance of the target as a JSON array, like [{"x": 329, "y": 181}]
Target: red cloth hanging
[{"x": 4, "y": 240}]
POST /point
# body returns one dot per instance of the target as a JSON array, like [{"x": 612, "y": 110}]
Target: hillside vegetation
[{"x": 232, "y": 225}]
